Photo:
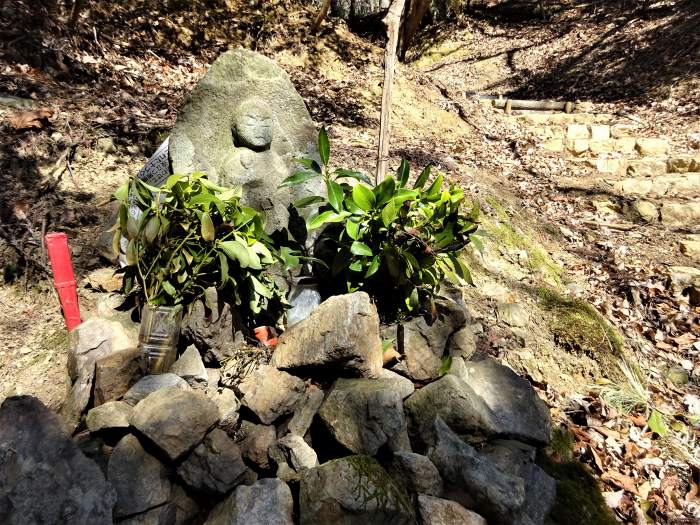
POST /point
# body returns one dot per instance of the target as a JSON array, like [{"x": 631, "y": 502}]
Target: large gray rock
[
  {"x": 271, "y": 393},
  {"x": 306, "y": 410},
  {"x": 456, "y": 403},
  {"x": 44, "y": 477},
  {"x": 190, "y": 367},
  {"x": 255, "y": 441},
  {"x": 268, "y": 501},
  {"x": 162, "y": 515},
  {"x": 228, "y": 405},
  {"x": 358, "y": 10},
  {"x": 175, "y": 420},
  {"x": 364, "y": 414},
  {"x": 353, "y": 490},
  {"x": 116, "y": 373},
  {"x": 243, "y": 124},
  {"x": 112, "y": 416},
  {"x": 424, "y": 345},
  {"x": 149, "y": 384},
  {"x": 292, "y": 455},
  {"x": 518, "y": 410},
  {"x": 482, "y": 400},
  {"x": 341, "y": 335},
  {"x": 215, "y": 331},
  {"x": 472, "y": 479},
  {"x": 416, "y": 473},
  {"x": 92, "y": 340},
  {"x": 518, "y": 459},
  {"x": 186, "y": 509},
  {"x": 436, "y": 511},
  {"x": 401, "y": 384},
  {"x": 214, "y": 466},
  {"x": 141, "y": 481}
]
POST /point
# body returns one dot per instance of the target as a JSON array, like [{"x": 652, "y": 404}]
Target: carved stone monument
[{"x": 243, "y": 124}]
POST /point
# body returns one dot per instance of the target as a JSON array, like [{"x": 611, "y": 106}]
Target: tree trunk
[
  {"x": 414, "y": 14},
  {"x": 321, "y": 16},
  {"x": 393, "y": 25}
]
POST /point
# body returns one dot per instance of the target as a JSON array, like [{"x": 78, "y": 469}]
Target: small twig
[{"x": 611, "y": 225}]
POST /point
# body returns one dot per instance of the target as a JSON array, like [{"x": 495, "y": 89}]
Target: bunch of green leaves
[
  {"x": 190, "y": 235},
  {"x": 395, "y": 241}
]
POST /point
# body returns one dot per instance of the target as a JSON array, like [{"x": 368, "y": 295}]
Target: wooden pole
[{"x": 392, "y": 21}]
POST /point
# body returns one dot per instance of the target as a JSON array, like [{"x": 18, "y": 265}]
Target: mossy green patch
[
  {"x": 511, "y": 239},
  {"x": 441, "y": 50},
  {"x": 56, "y": 340},
  {"x": 575, "y": 324},
  {"x": 375, "y": 485},
  {"x": 579, "y": 500}
]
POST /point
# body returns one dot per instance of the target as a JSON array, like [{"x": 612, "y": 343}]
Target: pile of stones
[{"x": 319, "y": 430}]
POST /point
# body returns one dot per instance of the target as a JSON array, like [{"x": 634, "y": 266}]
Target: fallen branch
[{"x": 321, "y": 16}]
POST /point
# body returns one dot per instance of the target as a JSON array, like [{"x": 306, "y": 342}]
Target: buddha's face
[{"x": 253, "y": 127}]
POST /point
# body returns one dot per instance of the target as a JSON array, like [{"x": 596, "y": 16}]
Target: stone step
[
  {"x": 672, "y": 214},
  {"x": 562, "y": 119},
  {"x": 596, "y": 139},
  {"x": 683, "y": 186},
  {"x": 622, "y": 167}
]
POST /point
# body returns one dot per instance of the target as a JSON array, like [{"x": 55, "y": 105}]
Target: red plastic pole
[{"x": 63, "y": 277}]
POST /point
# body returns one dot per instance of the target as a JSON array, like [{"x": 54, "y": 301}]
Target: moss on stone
[
  {"x": 575, "y": 324},
  {"x": 506, "y": 236},
  {"x": 374, "y": 484},
  {"x": 579, "y": 500},
  {"x": 440, "y": 51},
  {"x": 56, "y": 340}
]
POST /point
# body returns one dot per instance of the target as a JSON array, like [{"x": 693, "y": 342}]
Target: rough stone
[
  {"x": 214, "y": 331},
  {"x": 186, "y": 509},
  {"x": 416, "y": 473},
  {"x": 614, "y": 167},
  {"x": 424, "y": 345},
  {"x": 214, "y": 466},
  {"x": 91, "y": 340},
  {"x": 292, "y": 455},
  {"x": 271, "y": 393},
  {"x": 472, "y": 479},
  {"x": 363, "y": 414},
  {"x": 519, "y": 412},
  {"x": 213, "y": 379},
  {"x": 190, "y": 367},
  {"x": 228, "y": 405},
  {"x": 116, "y": 373},
  {"x": 243, "y": 124},
  {"x": 175, "y": 420},
  {"x": 150, "y": 384},
  {"x": 625, "y": 144},
  {"x": 268, "y": 501},
  {"x": 44, "y": 477},
  {"x": 163, "y": 515},
  {"x": 399, "y": 383},
  {"x": 436, "y": 511},
  {"x": 513, "y": 314},
  {"x": 462, "y": 343},
  {"x": 577, "y": 146},
  {"x": 646, "y": 168},
  {"x": 683, "y": 164},
  {"x": 303, "y": 299},
  {"x": 652, "y": 147},
  {"x": 357, "y": 10},
  {"x": 341, "y": 335},
  {"x": 517, "y": 459},
  {"x": 255, "y": 441},
  {"x": 600, "y": 132},
  {"x": 353, "y": 490},
  {"x": 141, "y": 481},
  {"x": 642, "y": 210},
  {"x": 555, "y": 145},
  {"x": 306, "y": 410},
  {"x": 600, "y": 146},
  {"x": 113, "y": 415},
  {"x": 691, "y": 248},
  {"x": 455, "y": 402},
  {"x": 577, "y": 131},
  {"x": 681, "y": 214},
  {"x": 622, "y": 130}
]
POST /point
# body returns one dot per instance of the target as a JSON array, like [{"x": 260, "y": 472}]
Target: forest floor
[{"x": 106, "y": 92}]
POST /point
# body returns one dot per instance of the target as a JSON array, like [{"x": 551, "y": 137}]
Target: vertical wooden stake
[
  {"x": 320, "y": 17},
  {"x": 393, "y": 24}
]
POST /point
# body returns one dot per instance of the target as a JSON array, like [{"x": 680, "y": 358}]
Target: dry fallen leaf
[
  {"x": 620, "y": 480},
  {"x": 33, "y": 118}
]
